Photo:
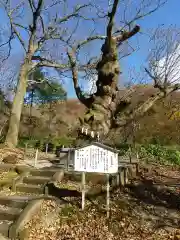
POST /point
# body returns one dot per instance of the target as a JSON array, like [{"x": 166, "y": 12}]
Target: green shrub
[
  {"x": 162, "y": 153},
  {"x": 173, "y": 156},
  {"x": 123, "y": 148},
  {"x": 40, "y": 143},
  {"x": 25, "y": 140},
  {"x": 62, "y": 141}
]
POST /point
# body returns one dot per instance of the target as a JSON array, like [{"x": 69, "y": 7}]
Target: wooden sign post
[
  {"x": 107, "y": 196},
  {"x": 83, "y": 190}
]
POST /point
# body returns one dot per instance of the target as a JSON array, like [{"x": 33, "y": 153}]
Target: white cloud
[
  {"x": 91, "y": 86},
  {"x": 168, "y": 67}
]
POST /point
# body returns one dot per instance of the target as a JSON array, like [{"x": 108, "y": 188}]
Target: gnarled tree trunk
[{"x": 99, "y": 115}]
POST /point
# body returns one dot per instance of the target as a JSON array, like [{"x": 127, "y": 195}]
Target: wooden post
[
  {"x": 83, "y": 190},
  {"x": 47, "y": 148},
  {"x": 137, "y": 164},
  {"x": 46, "y": 191},
  {"x": 26, "y": 145},
  {"x": 122, "y": 176},
  {"x": 130, "y": 155},
  {"x": 118, "y": 179},
  {"x": 125, "y": 175},
  {"x": 36, "y": 157},
  {"x": 25, "y": 150},
  {"x": 107, "y": 195},
  {"x": 68, "y": 160}
]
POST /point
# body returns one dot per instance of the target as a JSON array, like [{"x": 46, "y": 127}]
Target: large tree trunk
[
  {"x": 31, "y": 127},
  {"x": 100, "y": 112},
  {"x": 14, "y": 121}
]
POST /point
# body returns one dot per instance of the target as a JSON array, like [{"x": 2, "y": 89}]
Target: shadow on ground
[
  {"x": 149, "y": 200},
  {"x": 156, "y": 194},
  {"x": 157, "y": 204}
]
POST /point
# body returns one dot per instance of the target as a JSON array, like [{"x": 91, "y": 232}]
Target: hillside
[{"x": 60, "y": 118}]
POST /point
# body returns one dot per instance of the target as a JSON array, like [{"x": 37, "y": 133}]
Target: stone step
[
  {"x": 4, "y": 228},
  {"x": 29, "y": 188},
  {"x": 45, "y": 172},
  {"x": 36, "y": 180},
  {"x": 13, "y": 201},
  {"x": 64, "y": 166},
  {"x": 7, "y": 166},
  {"x": 9, "y": 213},
  {"x": 2, "y": 237}
]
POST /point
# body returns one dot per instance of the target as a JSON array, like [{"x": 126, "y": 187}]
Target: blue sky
[{"x": 167, "y": 15}]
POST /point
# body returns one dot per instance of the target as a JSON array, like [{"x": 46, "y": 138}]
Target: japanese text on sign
[{"x": 95, "y": 159}]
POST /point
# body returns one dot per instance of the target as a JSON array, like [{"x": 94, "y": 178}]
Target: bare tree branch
[
  {"x": 8, "y": 42},
  {"x": 21, "y": 26},
  {"x": 33, "y": 28},
  {"x": 18, "y": 35},
  {"x": 111, "y": 16},
  {"x": 97, "y": 37},
  {"x": 164, "y": 58},
  {"x": 126, "y": 35},
  {"x": 13, "y": 28},
  {"x": 31, "y": 5},
  {"x": 18, "y": 6},
  {"x": 43, "y": 62},
  {"x": 73, "y": 14}
]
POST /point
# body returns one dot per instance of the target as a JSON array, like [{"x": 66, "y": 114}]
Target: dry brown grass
[{"x": 155, "y": 124}]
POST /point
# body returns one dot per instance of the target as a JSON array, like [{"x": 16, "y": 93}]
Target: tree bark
[
  {"x": 99, "y": 116},
  {"x": 14, "y": 121}
]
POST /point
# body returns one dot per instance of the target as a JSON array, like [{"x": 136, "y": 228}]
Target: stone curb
[
  {"x": 7, "y": 166},
  {"x": 24, "y": 217},
  {"x": 57, "y": 177}
]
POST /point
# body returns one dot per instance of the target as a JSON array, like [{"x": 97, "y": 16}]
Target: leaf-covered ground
[{"x": 149, "y": 208}]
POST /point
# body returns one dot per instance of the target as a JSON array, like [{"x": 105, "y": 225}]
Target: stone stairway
[
  {"x": 10, "y": 209},
  {"x": 31, "y": 187}
]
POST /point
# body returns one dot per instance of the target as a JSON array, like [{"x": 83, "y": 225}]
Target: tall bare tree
[
  {"x": 164, "y": 61},
  {"x": 37, "y": 34},
  {"x": 164, "y": 57}
]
